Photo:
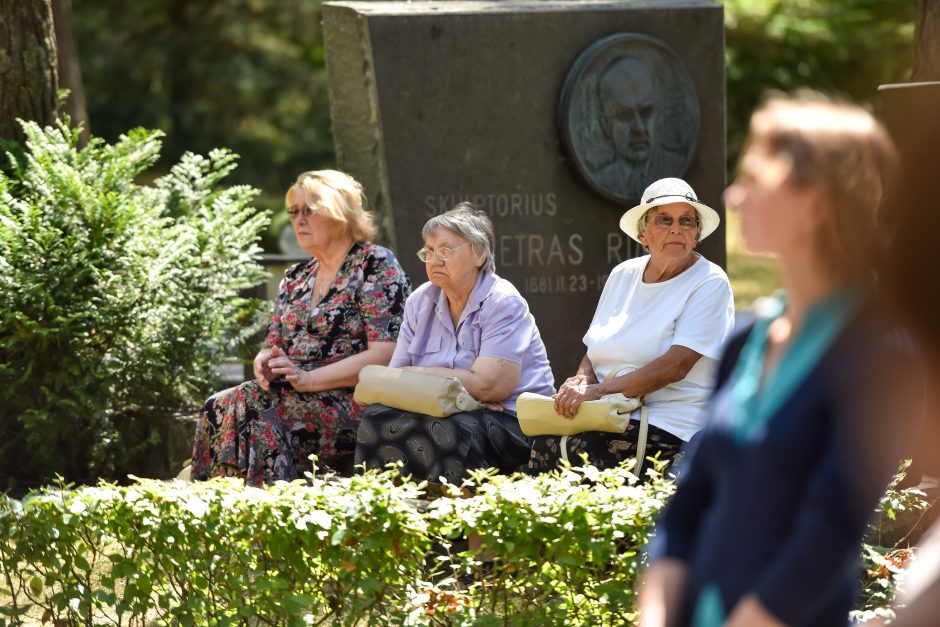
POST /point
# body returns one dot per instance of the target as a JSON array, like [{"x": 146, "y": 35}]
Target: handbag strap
[
  {"x": 615, "y": 371},
  {"x": 644, "y": 427},
  {"x": 641, "y": 440}
]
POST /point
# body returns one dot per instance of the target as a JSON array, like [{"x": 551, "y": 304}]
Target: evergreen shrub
[{"x": 116, "y": 297}]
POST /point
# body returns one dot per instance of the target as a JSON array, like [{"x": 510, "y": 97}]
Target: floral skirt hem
[{"x": 266, "y": 436}]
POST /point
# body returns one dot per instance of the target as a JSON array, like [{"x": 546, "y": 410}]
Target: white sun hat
[{"x": 664, "y": 192}]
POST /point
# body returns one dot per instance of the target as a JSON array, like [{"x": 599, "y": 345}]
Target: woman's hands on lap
[
  {"x": 573, "y": 392},
  {"x": 262, "y": 368},
  {"x": 281, "y": 364}
]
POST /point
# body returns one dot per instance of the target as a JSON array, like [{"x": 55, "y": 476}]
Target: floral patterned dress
[{"x": 265, "y": 436}]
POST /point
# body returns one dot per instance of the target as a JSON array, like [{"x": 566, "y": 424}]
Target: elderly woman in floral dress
[{"x": 334, "y": 314}]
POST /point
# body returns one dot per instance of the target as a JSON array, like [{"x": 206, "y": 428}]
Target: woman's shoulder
[
  {"x": 711, "y": 271},
  {"x": 503, "y": 299},
  {"x": 300, "y": 269},
  {"x": 425, "y": 291},
  {"x": 376, "y": 264},
  {"x": 876, "y": 333},
  {"x": 370, "y": 252},
  {"x": 630, "y": 266},
  {"x": 503, "y": 290},
  {"x": 704, "y": 274},
  {"x": 424, "y": 296},
  {"x": 628, "y": 270}
]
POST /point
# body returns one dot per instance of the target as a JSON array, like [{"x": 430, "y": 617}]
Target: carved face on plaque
[{"x": 629, "y": 115}]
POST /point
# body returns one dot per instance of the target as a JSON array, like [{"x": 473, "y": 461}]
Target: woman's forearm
[
  {"x": 489, "y": 380},
  {"x": 469, "y": 380},
  {"x": 586, "y": 368},
  {"x": 668, "y": 368},
  {"x": 345, "y": 372}
]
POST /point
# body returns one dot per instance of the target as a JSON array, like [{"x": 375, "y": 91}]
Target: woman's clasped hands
[
  {"x": 276, "y": 363},
  {"x": 573, "y": 392}
]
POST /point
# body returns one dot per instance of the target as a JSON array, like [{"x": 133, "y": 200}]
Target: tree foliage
[
  {"x": 245, "y": 74},
  {"x": 845, "y": 47},
  {"x": 250, "y": 74},
  {"x": 115, "y": 298}
]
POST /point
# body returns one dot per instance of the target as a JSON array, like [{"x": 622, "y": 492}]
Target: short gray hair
[
  {"x": 641, "y": 223},
  {"x": 470, "y": 223}
]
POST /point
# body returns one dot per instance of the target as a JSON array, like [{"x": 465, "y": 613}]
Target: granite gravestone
[{"x": 550, "y": 116}]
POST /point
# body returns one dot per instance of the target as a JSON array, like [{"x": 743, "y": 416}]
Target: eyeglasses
[
  {"x": 296, "y": 212},
  {"x": 443, "y": 253},
  {"x": 686, "y": 223}
]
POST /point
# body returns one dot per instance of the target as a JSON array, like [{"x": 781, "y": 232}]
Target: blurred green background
[{"x": 249, "y": 75}]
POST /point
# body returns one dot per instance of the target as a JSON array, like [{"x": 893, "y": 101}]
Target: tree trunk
[
  {"x": 927, "y": 41},
  {"x": 28, "y": 78},
  {"x": 70, "y": 72}
]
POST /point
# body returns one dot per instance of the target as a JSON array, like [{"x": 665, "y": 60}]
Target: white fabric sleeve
[
  {"x": 613, "y": 285},
  {"x": 707, "y": 319}
]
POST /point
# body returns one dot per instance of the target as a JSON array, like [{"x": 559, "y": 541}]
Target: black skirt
[
  {"x": 604, "y": 450},
  {"x": 430, "y": 448}
]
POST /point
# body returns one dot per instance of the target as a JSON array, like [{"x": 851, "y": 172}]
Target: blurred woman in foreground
[{"x": 806, "y": 425}]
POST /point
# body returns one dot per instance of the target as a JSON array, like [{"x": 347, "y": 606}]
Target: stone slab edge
[
  {"x": 354, "y": 109},
  {"x": 428, "y": 7}
]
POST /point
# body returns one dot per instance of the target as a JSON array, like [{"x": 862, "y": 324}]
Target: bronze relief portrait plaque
[{"x": 629, "y": 115}]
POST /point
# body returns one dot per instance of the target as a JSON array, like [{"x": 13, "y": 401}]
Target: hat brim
[{"x": 629, "y": 222}]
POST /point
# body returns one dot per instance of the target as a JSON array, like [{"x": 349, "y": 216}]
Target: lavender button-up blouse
[{"x": 495, "y": 323}]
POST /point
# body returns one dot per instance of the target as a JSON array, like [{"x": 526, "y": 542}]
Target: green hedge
[
  {"x": 364, "y": 550},
  {"x": 560, "y": 548}
]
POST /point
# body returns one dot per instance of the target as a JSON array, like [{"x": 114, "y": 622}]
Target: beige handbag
[
  {"x": 413, "y": 391},
  {"x": 610, "y": 413}
]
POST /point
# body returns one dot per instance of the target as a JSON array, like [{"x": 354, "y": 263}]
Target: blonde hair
[
  {"x": 841, "y": 149},
  {"x": 337, "y": 196}
]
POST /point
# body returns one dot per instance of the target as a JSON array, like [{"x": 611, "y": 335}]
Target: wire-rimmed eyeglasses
[{"x": 443, "y": 253}]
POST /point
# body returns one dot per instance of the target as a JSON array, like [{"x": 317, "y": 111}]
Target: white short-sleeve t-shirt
[{"x": 637, "y": 322}]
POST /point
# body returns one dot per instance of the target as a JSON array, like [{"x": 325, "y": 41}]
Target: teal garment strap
[
  {"x": 709, "y": 611},
  {"x": 752, "y": 406}
]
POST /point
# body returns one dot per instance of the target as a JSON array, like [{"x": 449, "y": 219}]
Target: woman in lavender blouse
[{"x": 469, "y": 323}]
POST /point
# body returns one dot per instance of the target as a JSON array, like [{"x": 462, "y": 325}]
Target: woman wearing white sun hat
[{"x": 659, "y": 327}]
